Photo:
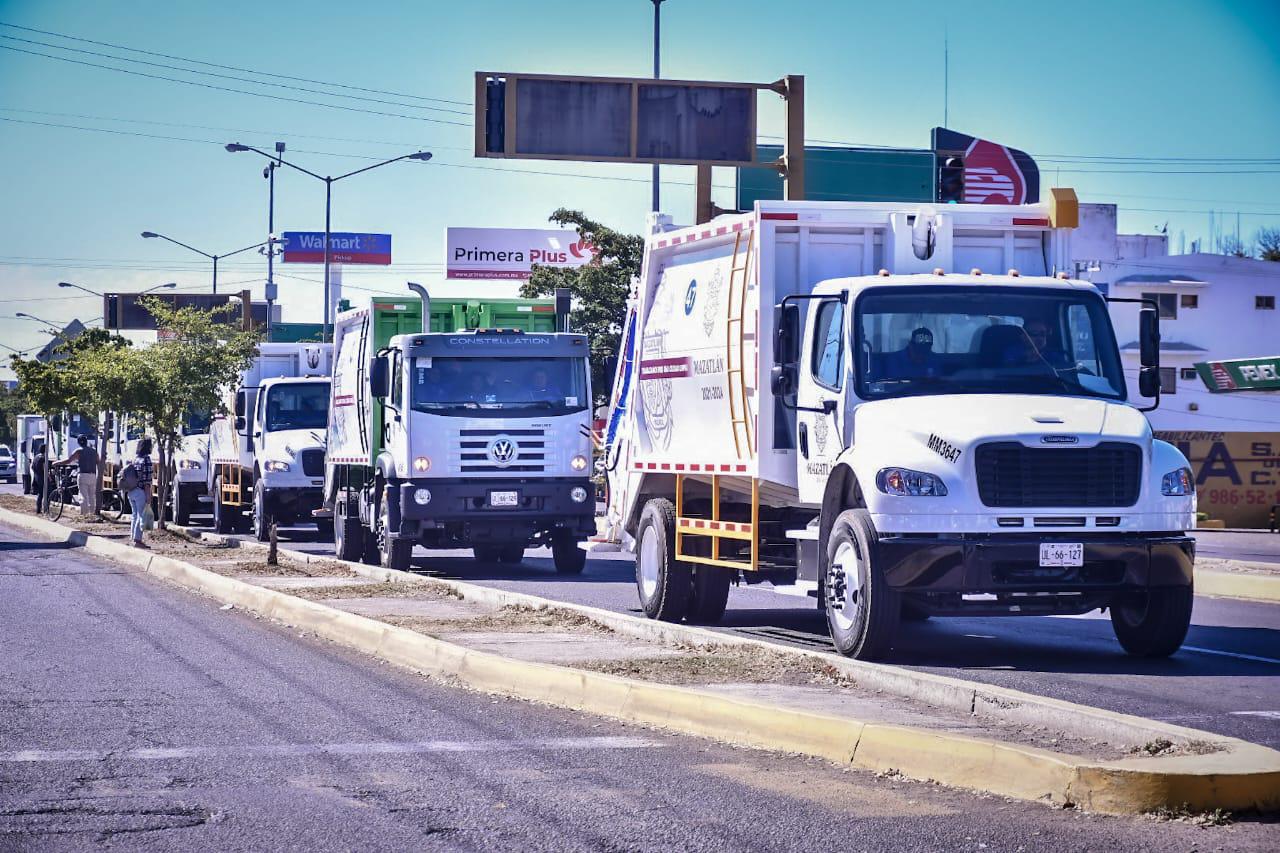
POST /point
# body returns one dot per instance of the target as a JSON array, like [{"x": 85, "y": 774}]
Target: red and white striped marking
[
  {"x": 692, "y": 235},
  {"x": 692, "y": 467},
  {"x": 349, "y": 459},
  {"x": 708, "y": 524}
]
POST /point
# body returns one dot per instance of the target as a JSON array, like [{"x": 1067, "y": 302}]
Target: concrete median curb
[
  {"x": 1251, "y": 586},
  {"x": 1240, "y": 776}
]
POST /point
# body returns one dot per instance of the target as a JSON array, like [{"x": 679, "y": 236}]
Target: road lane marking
[
  {"x": 289, "y": 750},
  {"x": 1270, "y": 715},
  {"x": 1239, "y": 655}
]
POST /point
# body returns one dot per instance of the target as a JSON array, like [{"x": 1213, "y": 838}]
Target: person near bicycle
[
  {"x": 138, "y": 489},
  {"x": 38, "y": 472},
  {"x": 85, "y": 458}
]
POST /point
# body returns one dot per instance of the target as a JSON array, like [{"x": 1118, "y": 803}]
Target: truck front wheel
[
  {"x": 862, "y": 611},
  {"x": 512, "y": 554},
  {"x": 348, "y": 535},
  {"x": 393, "y": 551},
  {"x": 569, "y": 558},
  {"x": 664, "y": 582},
  {"x": 262, "y": 519},
  {"x": 224, "y": 517},
  {"x": 1153, "y": 624}
]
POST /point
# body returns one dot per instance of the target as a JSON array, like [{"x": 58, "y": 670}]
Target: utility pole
[
  {"x": 657, "y": 32},
  {"x": 270, "y": 174}
]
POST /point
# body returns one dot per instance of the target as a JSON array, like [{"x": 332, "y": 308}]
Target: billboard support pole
[
  {"x": 703, "y": 193},
  {"x": 328, "y": 198},
  {"x": 793, "y": 152}
]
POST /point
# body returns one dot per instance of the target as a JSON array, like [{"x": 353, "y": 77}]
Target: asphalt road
[
  {"x": 137, "y": 715},
  {"x": 1248, "y": 545},
  {"x": 1226, "y": 678}
]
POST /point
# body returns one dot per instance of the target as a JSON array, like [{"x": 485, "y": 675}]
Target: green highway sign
[
  {"x": 1241, "y": 374},
  {"x": 843, "y": 174}
]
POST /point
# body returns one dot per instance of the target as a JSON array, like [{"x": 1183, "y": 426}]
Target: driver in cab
[{"x": 916, "y": 360}]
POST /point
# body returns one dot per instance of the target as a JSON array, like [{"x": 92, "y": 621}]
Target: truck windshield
[
  {"x": 195, "y": 422},
  {"x": 498, "y": 386},
  {"x": 997, "y": 340},
  {"x": 298, "y": 407}
]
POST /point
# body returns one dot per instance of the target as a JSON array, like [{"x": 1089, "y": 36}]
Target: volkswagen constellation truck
[
  {"x": 897, "y": 412},
  {"x": 456, "y": 425}
]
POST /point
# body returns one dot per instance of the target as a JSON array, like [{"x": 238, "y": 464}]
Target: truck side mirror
[
  {"x": 1149, "y": 381},
  {"x": 379, "y": 376},
  {"x": 782, "y": 380},
  {"x": 240, "y": 424},
  {"x": 1149, "y": 338},
  {"x": 239, "y": 404},
  {"x": 786, "y": 336}
]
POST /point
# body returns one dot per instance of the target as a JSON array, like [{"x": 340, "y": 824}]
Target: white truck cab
[
  {"x": 267, "y": 458},
  {"x": 839, "y": 400}
]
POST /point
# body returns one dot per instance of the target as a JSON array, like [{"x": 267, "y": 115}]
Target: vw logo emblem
[{"x": 503, "y": 450}]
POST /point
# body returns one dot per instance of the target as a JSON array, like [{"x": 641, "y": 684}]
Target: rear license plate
[
  {"x": 1061, "y": 554},
  {"x": 504, "y": 499}
]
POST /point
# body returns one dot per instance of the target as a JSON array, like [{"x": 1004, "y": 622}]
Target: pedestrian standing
[
  {"x": 137, "y": 478},
  {"x": 38, "y": 476},
  {"x": 86, "y": 459}
]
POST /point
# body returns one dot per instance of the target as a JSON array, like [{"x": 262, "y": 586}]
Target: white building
[{"x": 1212, "y": 308}]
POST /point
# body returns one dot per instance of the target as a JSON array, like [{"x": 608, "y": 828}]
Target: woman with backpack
[{"x": 135, "y": 482}]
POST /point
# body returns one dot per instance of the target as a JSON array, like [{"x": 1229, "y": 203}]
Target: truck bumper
[
  {"x": 467, "y": 506},
  {"x": 294, "y": 501},
  {"x": 947, "y": 572}
]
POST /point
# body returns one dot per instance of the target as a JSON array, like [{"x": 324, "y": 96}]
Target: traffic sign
[
  {"x": 1242, "y": 374},
  {"x": 307, "y": 247}
]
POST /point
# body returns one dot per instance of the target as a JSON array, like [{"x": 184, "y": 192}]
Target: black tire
[
  {"x": 569, "y": 558},
  {"x": 58, "y": 499},
  {"x": 710, "y": 593},
  {"x": 180, "y": 509},
  {"x": 911, "y": 613},
  {"x": 324, "y": 528},
  {"x": 348, "y": 536},
  {"x": 260, "y": 519},
  {"x": 118, "y": 503},
  {"x": 665, "y": 584},
  {"x": 862, "y": 611},
  {"x": 1153, "y": 624},
  {"x": 224, "y": 517},
  {"x": 487, "y": 553},
  {"x": 512, "y": 554},
  {"x": 393, "y": 551}
]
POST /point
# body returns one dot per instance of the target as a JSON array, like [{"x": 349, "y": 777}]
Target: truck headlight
[
  {"x": 1178, "y": 483},
  {"x": 189, "y": 464},
  {"x": 422, "y": 464},
  {"x": 578, "y": 494},
  {"x": 903, "y": 482},
  {"x": 578, "y": 463},
  {"x": 422, "y": 497},
  {"x": 275, "y": 466}
]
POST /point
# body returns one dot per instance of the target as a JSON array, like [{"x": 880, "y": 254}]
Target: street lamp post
[
  {"x": 26, "y": 316},
  {"x": 151, "y": 234},
  {"x": 236, "y": 147},
  {"x": 657, "y": 31}
]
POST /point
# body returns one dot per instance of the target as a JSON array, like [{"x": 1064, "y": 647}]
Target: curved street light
[
  {"x": 166, "y": 285},
  {"x": 236, "y": 147},
  {"x": 152, "y": 234}
]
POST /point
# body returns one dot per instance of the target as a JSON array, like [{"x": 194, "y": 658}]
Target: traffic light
[{"x": 951, "y": 180}]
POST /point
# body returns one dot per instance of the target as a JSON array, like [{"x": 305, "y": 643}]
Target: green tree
[
  {"x": 12, "y": 404},
  {"x": 47, "y": 389},
  {"x": 197, "y": 355},
  {"x": 600, "y": 291}
]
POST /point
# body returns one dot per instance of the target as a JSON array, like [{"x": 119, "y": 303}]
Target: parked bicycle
[{"x": 63, "y": 491}]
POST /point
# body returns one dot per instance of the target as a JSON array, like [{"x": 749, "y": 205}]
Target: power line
[
  {"x": 249, "y": 80},
  {"x": 232, "y": 67},
  {"x": 230, "y": 89}
]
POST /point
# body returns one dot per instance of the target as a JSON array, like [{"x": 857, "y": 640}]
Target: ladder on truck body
[
  {"x": 736, "y": 344},
  {"x": 717, "y": 529}
]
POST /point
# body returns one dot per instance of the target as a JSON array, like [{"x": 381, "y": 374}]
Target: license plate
[
  {"x": 504, "y": 499},
  {"x": 1061, "y": 554}
]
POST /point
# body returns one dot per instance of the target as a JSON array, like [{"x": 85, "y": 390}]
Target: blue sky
[{"x": 1155, "y": 80}]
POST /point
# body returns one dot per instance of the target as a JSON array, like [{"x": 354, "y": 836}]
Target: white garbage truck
[
  {"x": 900, "y": 412},
  {"x": 459, "y": 424},
  {"x": 267, "y": 454}
]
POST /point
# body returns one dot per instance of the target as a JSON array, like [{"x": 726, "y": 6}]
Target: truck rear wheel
[
  {"x": 1153, "y": 624},
  {"x": 348, "y": 535},
  {"x": 512, "y": 554},
  {"x": 224, "y": 517},
  {"x": 180, "y": 507},
  {"x": 487, "y": 553},
  {"x": 570, "y": 559},
  {"x": 710, "y": 593},
  {"x": 665, "y": 584},
  {"x": 862, "y": 611}
]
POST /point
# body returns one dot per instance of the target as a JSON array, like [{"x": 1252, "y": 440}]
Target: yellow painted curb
[
  {"x": 1254, "y": 587},
  {"x": 1242, "y": 776}
]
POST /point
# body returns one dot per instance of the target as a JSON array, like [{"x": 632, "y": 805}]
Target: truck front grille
[
  {"x": 1012, "y": 475},
  {"x": 474, "y": 456},
  {"x": 313, "y": 462}
]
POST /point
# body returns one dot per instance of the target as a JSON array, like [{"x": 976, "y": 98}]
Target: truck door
[{"x": 820, "y": 396}]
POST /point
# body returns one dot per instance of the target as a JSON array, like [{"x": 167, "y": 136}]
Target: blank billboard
[
  {"x": 615, "y": 119},
  {"x": 125, "y": 310}
]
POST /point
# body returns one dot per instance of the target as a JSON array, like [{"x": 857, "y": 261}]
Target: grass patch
[
  {"x": 725, "y": 665},
  {"x": 514, "y": 618}
]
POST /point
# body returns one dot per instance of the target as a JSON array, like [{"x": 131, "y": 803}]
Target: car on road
[{"x": 8, "y": 465}]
